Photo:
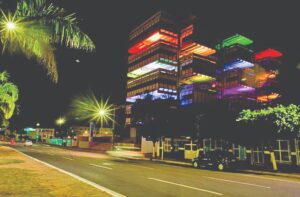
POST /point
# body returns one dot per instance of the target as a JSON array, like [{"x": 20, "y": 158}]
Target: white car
[{"x": 28, "y": 143}]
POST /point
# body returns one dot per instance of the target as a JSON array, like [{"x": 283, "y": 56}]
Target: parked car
[
  {"x": 220, "y": 160},
  {"x": 28, "y": 143}
]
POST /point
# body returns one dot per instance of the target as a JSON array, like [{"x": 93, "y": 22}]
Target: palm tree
[
  {"x": 36, "y": 27},
  {"x": 9, "y": 94}
]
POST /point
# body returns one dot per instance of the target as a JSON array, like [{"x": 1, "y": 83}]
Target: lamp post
[
  {"x": 104, "y": 114},
  {"x": 60, "y": 121}
]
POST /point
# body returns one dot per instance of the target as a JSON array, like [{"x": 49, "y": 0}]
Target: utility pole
[
  {"x": 162, "y": 148},
  {"x": 113, "y": 128}
]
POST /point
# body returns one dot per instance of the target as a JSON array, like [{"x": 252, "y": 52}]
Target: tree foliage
[
  {"x": 154, "y": 118},
  {"x": 36, "y": 27},
  {"x": 9, "y": 94},
  {"x": 285, "y": 118}
]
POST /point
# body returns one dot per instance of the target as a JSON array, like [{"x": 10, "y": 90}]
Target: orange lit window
[
  {"x": 157, "y": 36},
  {"x": 197, "y": 49},
  {"x": 267, "y": 98}
]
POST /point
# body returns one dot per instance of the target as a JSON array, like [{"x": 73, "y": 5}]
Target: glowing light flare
[
  {"x": 150, "y": 67},
  {"x": 60, "y": 121},
  {"x": 11, "y": 25},
  {"x": 267, "y": 98},
  {"x": 197, "y": 49},
  {"x": 239, "y": 63},
  {"x": 88, "y": 107},
  {"x": 268, "y": 53}
]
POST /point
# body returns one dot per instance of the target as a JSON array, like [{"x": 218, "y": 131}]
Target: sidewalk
[{"x": 24, "y": 177}]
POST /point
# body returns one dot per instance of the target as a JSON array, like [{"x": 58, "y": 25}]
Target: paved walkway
[{"x": 22, "y": 176}]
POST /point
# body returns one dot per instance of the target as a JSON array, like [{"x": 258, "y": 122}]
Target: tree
[
  {"x": 154, "y": 118},
  {"x": 35, "y": 27},
  {"x": 282, "y": 119},
  {"x": 9, "y": 94}
]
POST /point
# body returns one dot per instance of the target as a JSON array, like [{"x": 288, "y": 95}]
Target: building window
[{"x": 282, "y": 151}]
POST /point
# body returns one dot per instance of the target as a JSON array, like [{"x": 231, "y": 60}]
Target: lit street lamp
[
  {"x": 60, "y": 121},
  {"x": 10, "y": 25},
  {"x": 88, "y": 107}
]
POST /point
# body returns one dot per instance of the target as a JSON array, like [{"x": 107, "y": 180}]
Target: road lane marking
[
  {"x": 186, "y": 186},
  {"x": 141, "y": 166},
  {"x": 268, "y": 178},
  {"x": 102, "y": 188},
  {"x": 107, "y": 164},
  {"x": 238, "y": 182},
  {"x": 108, "y": 168},
  {"x": 68, "y": 158}
]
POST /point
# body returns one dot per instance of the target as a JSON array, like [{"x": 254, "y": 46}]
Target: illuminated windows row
[
  {"x": 162, "y": 74},
  {"x": 145, "y": 26},
  {"x": 162, "y": 57},
  {"x": 159, "y": 46},
  {"x": 155, "y": 37},
  {"x": 153, "y": 87}
]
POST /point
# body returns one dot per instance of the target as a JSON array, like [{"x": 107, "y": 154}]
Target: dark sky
[{"x": 108, "y": 22}]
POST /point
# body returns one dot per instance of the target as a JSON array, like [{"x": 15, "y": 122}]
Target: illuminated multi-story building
[
  {"x": 171, "y": 58},
  {"x": 152, "y": 62}
]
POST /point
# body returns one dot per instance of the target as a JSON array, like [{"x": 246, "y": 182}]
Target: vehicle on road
[
  {"x": 28, "y": 143},
  {"x": 220, "y": 160}
]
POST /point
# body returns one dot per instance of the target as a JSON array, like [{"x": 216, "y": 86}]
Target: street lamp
[
  {"x": 37, "y": 124},
  {"x": 88, "y": 107},
  {"x": 60, "y": 121},
  {"x": 10, "y": 25}
]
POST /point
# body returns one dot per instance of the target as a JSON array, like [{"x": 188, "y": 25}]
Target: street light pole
[{"x": 113, "y": 128}]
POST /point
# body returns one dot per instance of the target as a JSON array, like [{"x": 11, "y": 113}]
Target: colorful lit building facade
[
  {"x": 170, "y": 58},
  {"x": 245, "y": 77},
  {"x": 197, "y": 66},
  {"x": 152, "y": 61}
]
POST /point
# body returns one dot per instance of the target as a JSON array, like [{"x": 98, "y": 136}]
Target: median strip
[
  {"x": 186, "y": 186},
  {"x": 108, "y": 168},
  {"x": 238, "y": 182}
]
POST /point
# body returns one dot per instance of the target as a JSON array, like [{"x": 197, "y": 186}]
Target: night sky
[{"x": 108, "y": 23}]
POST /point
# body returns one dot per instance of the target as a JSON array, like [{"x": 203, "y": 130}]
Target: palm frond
[
  {"x": 33, "y": 40},
  {"x": 9, "y": 94},
  {"x": 64, "y": 26}
]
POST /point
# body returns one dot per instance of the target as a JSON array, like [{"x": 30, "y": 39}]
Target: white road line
[
  {"x": 68, "y": 158},
  {"x": 107, "y": 164},
  {"x": 186, "y": 186},
  {"x": 238, "y": 182},
  {"x": 104, "y": 189},
  {"x": 141, "y": 166},
  {"x": 108, "y": 168},
  {"x": 268, "y": 178}
]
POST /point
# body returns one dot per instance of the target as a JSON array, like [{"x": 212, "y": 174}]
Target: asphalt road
[{"x": 145, "y": 178}]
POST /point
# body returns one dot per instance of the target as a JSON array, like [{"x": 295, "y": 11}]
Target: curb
[{"x": 95, "y": 185}]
